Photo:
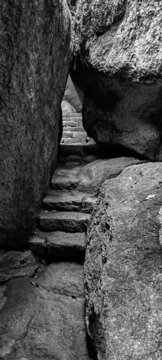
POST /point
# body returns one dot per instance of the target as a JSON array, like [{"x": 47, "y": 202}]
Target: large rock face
[
  {"x": 123, "y": 266},
  {"x": 35, "y": 51},
  {"x": 119, "y": 65}
]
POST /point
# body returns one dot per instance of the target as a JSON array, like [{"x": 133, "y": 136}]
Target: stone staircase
[
  {"x": 45, "y": 297},
  {"x": 60, "y": 240},
  {"x": 63, "y": 221},
  {"x": 73, "y": 131}
]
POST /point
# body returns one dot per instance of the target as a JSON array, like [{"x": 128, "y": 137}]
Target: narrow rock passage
[
  {"x": 60, "y": 239},
  {"x": 42, "y": 301},
  {"x": 42, "y": 309}
]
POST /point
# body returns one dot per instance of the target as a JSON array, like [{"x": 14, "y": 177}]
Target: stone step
[
  {"x": 74, "y": 133},
  {"x": 67, "y": 141},
  {"x": 73, "y": 129},
  {"x": 78, "y": 120},
  {"x": 65, "y": 201},
  {"x": 79, "y": 133},
  {"x": 73, "y": 141},
  {"x": 71, "y": 123},
  {"x": 63, "y": 221},
  {"x": 65, "y": 179},
  {"x": 59, "y": 245},
  {"x": 67, "y": 134},
  {"x": 72, "y": 116}
]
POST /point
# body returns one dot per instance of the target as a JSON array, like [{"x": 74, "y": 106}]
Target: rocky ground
[{"x": 42, "y": 309}]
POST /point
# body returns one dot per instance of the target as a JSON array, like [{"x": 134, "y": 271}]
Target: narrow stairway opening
[
  {"x": 60, "y": 237},
  {"x": 73, "y": 130}
]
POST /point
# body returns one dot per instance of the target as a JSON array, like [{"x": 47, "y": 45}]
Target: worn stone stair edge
[
  {"x": 59, "y": 246},
  {"x": 73, "y": 141},
  {"x": 63, "y": 221},
  {"x": 61, "y": 200},
  {"x": 71, "y": 116},
  {"x": 75, "y": 132},
  {"x": 72, "y": 123},
  {"x": 64, "y": 183},
  {"x": 74, "y": 129}
]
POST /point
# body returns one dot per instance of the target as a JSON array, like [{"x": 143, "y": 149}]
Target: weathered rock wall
[
  {"x": 34, "y": 62},
  {"x": 118, "y": 62},
  {"x": 123, "y": 266},
  {"x": 120, "y": 36}
]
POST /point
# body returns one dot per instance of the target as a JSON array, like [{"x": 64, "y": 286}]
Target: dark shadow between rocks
[
  {"x": 91, "y": 348},
  {"x": 48, "y": 255},
  {"x": 116, "y": 150},
  {"x": 101, "y": 150},
  {"x": 65, "y": 257},
  {"x": 82, "y": 150}
]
